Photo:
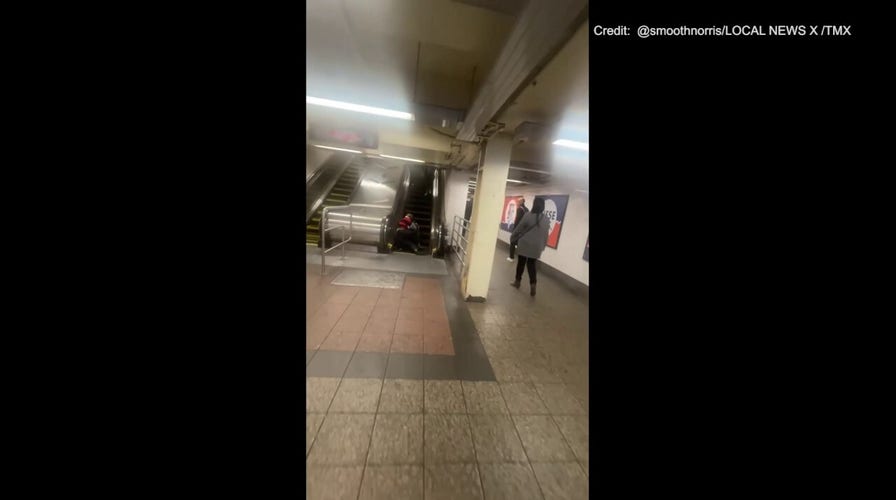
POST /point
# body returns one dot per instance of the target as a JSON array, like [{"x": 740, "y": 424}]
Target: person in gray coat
[{"x": 530, "y": 237}]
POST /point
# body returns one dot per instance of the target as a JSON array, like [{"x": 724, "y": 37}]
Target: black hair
[{"x": 538, "y": 209}]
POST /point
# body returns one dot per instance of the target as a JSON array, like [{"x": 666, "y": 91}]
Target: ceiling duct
[
  {"x": 530, "y": 132},
  {"x": 446, "y": 119}
]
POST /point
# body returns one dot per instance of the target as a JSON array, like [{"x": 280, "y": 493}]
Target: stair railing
[
  {"x": 324, "y": 222},
  {"x": 458, "y": 230}
]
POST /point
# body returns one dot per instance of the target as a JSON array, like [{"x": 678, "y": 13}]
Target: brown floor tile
[
  {"x": 441, "y": 344},
  {"x": 313, "y": 339},
  {"x": 436, "y": 329},
  {"x": 509, "y": 482},
  {"x": 435, "y": 315},
  {"x": 484, "y": 397},
  {"x": 355, "y": 324},
  {"x": 561, "y": 481},
  {"x": 392, "y": 482},
  {"x": 397, "y": 439},
  {"x": 408, "y": 327},
  {"x": 542, "y": 439},
  {"x": 444, "y": 396},
  {"x": 357, "y": 395},
  {"x": 452, "y": 482},
  {"x": 522, "y": 398},
  {"x": 401, "y": 396},
  {"x": 374, "y": 343},
  {"x": 333, "y": 483},
  {"x": 356, "y": 311},
  {"x": 496, "y": 439},
  {"x": 312, "y": 425},
  {"x": 385, "y": 311},
  {"x": 341, "y": 341},
  {"x": 407, "y": 343},
  {"x": 378, "y": 326},
  {"x": 367, "y": 297},
  {"x": 575, "y": 430},
  {"x": 448, "y": 439},
  {"x": 414, "y": 301},
  {"x": 343, "y": 439},
  {"x": 414, "y": 314}
]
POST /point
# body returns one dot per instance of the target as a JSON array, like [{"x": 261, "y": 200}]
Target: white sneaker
[{"x": 509, "y": 259}]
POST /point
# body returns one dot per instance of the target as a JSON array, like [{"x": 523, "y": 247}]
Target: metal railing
[
  {"x": 324, "y": 222},
  {"x": 460, "y": 227}
]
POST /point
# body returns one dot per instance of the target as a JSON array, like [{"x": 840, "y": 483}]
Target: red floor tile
[
  {"x": 408, "y": 327},
  {"x": 436, "y": 329},
  {"x": 438, "y": 344},
  {"x": 410, "y": 314},
  {"x": 385, "y": 312},
  {"x": 341, "y": 341},
  {"x": 376, "y": 326},
  {"x": 407, "y": 344},
  {"x": 374, "y": 343},
  {"x": 356, "y": 324}
]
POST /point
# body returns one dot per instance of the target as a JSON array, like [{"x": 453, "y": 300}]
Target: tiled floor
[{"x": 415, "y": 394}]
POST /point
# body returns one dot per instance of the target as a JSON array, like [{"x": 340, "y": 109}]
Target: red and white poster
[
  {"x": 555, "y": 209},
  {"x": 508, "y": 216}
]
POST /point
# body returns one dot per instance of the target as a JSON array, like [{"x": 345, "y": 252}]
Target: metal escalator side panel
[{"x": 320, "y": 185}]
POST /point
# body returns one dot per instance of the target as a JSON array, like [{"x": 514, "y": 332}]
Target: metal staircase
[{"x": 339, "y": 195}]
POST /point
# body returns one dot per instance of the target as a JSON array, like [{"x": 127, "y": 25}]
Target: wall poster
[
  {"x": 555, "y": 209},
  {"x": 509, "y": 214}
]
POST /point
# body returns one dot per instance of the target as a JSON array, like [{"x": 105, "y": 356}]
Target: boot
[
  {"x": 515, "y": 284},
  {"x": 532, "y": 289}
]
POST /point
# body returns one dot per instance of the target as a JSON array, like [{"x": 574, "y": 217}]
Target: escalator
[
  {"x": 340, "y": 194},
  {"x": 421, "y": 200}
]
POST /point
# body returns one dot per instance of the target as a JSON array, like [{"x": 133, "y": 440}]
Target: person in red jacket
[{"x": 408, "y": 234}]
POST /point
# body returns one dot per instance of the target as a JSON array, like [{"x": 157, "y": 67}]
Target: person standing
[
  {"x": 521, "y": 210},
  {"x": 530, "y": 236}
]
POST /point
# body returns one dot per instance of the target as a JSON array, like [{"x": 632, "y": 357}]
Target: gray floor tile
[
  {"x": 509, "y": 482},
  {"x": 319, "y": 393},
  {"x": 495, "y": 439},
  {"x": 575, "y": 430},
  {"x": 308, "y": 356},
  {"x": 447, "y": 439},
  {"x": 523, "y": 399},
  {"x": 343, "y": 439},
  {"x": 508, "y": 370},
  {"x": 439, "y": 367},
  {"x": 484, "y": 397},
  {"x": 452, "y": 482},
  {"x": 367, "y": 365},
  {"x": 397, "y": 439},
  {"x": 401, "y": 396},
  {"x": 312, "y": 425},
  {"x": 559, "y": 400},
  {"x": 443, "y": 396},
  {"x": 392, "y": 482},
  {"x": 561, "y": 481},
  {"x": 405, "y": 366},
  {"x": 542, "y": 439},
  {"x": 357, "y": 395},
  {"x": 332, "y": 483},
  {"x": 328, "y": 364}
]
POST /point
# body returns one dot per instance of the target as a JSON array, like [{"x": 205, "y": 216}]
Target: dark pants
[
  {"x": 408, "y": 239},
  {"x": 512, "y": 250},
  {"x": 529, "y": 264}
]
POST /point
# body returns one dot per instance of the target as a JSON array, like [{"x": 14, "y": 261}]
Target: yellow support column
[{"x": 488, "y": 202}]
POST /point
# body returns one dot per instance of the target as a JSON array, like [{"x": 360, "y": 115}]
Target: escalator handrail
[{"x": 325, "y": 190}]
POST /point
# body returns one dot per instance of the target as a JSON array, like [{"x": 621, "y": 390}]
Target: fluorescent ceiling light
[
  {"x": 583, "y": 146},
  {"x": 400, "y": 158},
  {"x": 516, "y": 181},
  {"x": 359, "y": 108},
  {"x": 337, "y": 149}
]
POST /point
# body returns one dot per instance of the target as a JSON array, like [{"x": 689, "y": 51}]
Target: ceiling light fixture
[
  {"x": 516, "y": 181},
  {"x": 405, "y": 159},
  {"x": 583, "y": 146},
  {"x": 359, "y": 108},
  {"x": 337, "y": 149}
]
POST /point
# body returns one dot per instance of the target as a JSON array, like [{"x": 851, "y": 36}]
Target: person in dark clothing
[
  {"x": 530, "y": 236},
  {"x": 521, "y": 210},
  {"x": 408, "y": 234}
]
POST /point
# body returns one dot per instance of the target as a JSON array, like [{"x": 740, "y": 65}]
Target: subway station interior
[{"x": 429, "y": 375}]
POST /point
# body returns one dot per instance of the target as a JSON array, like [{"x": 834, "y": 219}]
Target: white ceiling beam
[{"x": 538, "y": 35}]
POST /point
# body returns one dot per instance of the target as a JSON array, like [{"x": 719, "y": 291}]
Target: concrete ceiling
[{"x": 397, "y": 53}]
